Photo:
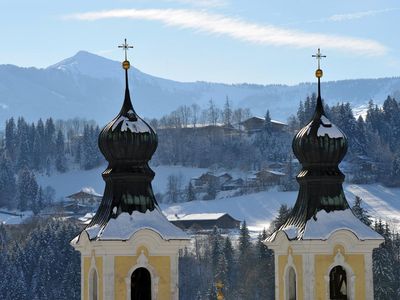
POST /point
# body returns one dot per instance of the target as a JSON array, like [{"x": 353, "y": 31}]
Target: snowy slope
[
  {"x": 74, "y": 180},
  {"x": 257, "y": 209},
  {"x": 260, "y": 208}
]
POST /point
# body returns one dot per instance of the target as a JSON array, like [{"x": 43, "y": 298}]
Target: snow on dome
[
  {"x": 291, "y": 232},
  {"x": 325, "y": 121},
  {"x": 324, "y": 224},
  {"x": 137, "y": 126},
  {"x": 126, "y": 225},
  {"x": 331, "y": 130}
]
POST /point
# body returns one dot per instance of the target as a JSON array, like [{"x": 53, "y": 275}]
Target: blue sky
[{"x": 211, "y": 40}]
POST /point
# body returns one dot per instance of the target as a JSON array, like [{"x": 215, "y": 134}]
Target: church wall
[
  {"x": 161, "y": 265},
  {"x": 87, "y": 265},
  {"x": 298, "y": 265},
  {"x": 356, "y": 263}
]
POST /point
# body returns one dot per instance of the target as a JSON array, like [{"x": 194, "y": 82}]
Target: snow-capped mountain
[{"x": 88, "y": 85}]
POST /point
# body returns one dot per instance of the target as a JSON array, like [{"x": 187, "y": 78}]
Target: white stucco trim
[
  {"x": 143, "y": 262},
  {"x": 277, "y": 296},
  {"x": 308, "y": 276},
  {"x": 351, "y": 277},
  {"x": 108, "y": 276},
  {"x": 369, "y": 282}
]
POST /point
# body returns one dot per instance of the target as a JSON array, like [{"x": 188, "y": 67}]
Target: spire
[
  {"x": 128, "y": 143},
  {"x": 318, "y": 73},
  {"x": 127, "y": 106}
]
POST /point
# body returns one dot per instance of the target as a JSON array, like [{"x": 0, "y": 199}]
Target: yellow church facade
[
  {"x": 303, "y": 269},
  {"x": 107, "y": 266}
]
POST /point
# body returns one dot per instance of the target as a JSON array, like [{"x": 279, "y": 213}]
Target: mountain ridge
[{"x": 85, "y": 84}]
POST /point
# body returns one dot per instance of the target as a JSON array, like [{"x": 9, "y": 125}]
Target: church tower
[
  {"x": 322, "y": 251},
  {"x": 129, "y": 250}
]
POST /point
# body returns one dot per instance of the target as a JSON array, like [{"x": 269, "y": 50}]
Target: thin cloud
[
  {"x": 359, "y": 15},
  {"x": 202, "y": 3},
  {"x": 238, "y": 29}
]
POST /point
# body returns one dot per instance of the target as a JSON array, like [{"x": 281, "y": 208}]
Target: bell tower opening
[
  {"x": 338, "y": 284},
  {"x": 141, "y": 284}
]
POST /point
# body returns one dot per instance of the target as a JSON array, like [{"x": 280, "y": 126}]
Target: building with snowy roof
[
  {"x": 322, "y": 251},
  {"x": 256, "y": 124},
  {"x": 205, "y": 221},
  {"x": 129, "y": 250},
  {"x": 85, "y": 197}
]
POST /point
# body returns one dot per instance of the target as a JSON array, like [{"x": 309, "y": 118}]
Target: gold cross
[
  {"x": 318, "y": 56},
  {"x": 126, "y": 47}
]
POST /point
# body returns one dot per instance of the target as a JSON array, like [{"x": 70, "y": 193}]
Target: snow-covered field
[
  {"x": 257, "y": 209},
  {"x": 260, "y": 208},
  {"x": 73, "y": 181}
]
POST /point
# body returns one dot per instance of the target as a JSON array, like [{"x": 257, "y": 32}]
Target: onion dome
[
  {"x": 128, "y": 143},
  {"x": 320, "y": 142},
  {"x": 127, "y": 140},
  {"x": 319, "y": 146}
]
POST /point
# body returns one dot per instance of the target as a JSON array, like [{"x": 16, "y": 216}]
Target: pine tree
[
  {"x": 27, "y": 189},
  {"x": 11, "y": 138},
  {"x": 215, "y": 241},
  {"x": 227, "y": 113},
  {"x": 360, "y": 212},
  {"x": 7, "y": 183},
  {"x": 265, "y": 261},
  {"x": 61, "y": 163},
  {"x": 268, "y": 123},
  {"x": 190, "y": 194},
  {"x": 281, "y": 218},
  {"x": 228, "y": 253},
  {"x": 49, "y": 137}
]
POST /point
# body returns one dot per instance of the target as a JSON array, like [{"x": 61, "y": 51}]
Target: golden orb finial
[
  {"x": 125, "y": 64},
  {"x": 319, "y": 73},
  {"x": 318, "y": 56}
]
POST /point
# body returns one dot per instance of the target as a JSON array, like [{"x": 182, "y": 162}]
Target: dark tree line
[
  {"x": 50, "y": 145},
  {"x": 28, "y": 149},
  {"x": 37, "y": 262},
  {"x": 242, "y": 266},
  {"x": 374, "y": 142}
]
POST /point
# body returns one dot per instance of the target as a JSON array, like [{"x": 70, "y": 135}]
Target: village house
[
  {"x": 265, "y": 178},
  {"x": 256, "y": 124},
  {"x": 85, "y": 199},
  {"x": 204, "y": 221}
]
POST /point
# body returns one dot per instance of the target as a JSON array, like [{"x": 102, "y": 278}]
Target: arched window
[
  {"x": 338, "y": 283},
  {"x": 93, "y": 285},
  {"x": 291, "y": 284},
  {"x": 141, "y": 284}
]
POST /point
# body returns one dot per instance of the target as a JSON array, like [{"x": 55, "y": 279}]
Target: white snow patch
[
  {"x": 291, "y": 232},
  {"x": 325, "y": 121},
  {"x": 14, "y": 217},
  {"x": 137, "y": 126},
  {"x": 73, "y": 180},
  {"x": 91, "y": 191},
  {"x": 258, "y": 209},
  {"x": 326, "y": 223},
  {"x": 126, "y": 225},
  {"x": 189, "y": 217}
]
